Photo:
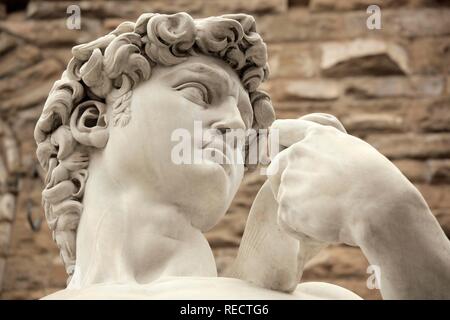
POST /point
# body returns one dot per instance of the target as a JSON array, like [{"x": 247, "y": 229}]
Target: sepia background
[{"x": 390, "y": 87}]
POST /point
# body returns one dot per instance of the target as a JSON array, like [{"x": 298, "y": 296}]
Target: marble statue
[{"x": 129, "y": 222}]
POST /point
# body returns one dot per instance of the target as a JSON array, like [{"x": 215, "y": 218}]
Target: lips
[{"x": 217, "y": 152}]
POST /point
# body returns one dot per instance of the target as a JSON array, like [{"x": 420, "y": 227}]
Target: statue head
[{"x": 121, "y": 97}]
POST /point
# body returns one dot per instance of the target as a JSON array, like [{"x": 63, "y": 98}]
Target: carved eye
[{"x": 195, "y": 92}]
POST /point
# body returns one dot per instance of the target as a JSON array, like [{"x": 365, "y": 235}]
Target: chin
[
  {"x": 205, "y": 193},
  {"x": 207, "y": 219},
  {"x": 215, "y": 192},
  {"x": 212, "y": 176}
]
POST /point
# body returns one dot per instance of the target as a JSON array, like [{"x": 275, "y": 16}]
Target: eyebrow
[
  {"x": 214, "y": 73},
  {"x": 220, "y": 76}
]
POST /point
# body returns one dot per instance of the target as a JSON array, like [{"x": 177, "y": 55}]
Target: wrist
[
  {"x": 408, "y": 246},
  {"x": 399, "y": 211}
]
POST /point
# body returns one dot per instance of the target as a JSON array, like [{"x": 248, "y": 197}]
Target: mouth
[{"x": 217, "y": 151}]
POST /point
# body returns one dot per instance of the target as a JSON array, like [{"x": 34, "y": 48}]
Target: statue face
[{"x": 202, "y": 91}]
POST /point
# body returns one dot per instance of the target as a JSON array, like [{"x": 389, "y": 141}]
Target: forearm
[{"x": 410, "y": 248}]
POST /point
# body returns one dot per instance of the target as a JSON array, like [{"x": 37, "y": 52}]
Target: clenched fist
[{"x": 329, "y": 184}]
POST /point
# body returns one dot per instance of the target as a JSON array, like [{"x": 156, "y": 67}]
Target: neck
[{"x": 126, "y": 236}]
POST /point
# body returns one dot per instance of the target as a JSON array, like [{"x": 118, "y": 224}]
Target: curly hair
[{"x": 103, "y": 73}]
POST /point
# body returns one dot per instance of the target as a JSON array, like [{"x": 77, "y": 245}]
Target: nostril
[
  {"x": 223, "y": 130},
  {"x": 220, "y": 127}
]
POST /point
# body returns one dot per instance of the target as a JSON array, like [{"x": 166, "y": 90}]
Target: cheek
[{"x": 170, "y": 113}]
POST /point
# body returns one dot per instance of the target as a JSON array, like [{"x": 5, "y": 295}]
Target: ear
[{"x": 88, "y": 124}]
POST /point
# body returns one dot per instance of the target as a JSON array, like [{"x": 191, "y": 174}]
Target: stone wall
[{"x": 390, "y": 87}]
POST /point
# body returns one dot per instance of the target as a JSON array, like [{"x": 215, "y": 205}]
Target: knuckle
[
  {"x": 325, "y": 119},
  {"x": 297, "y": 151},
  {"x": 293, "y": 219},
  {"x": 277, "y": 124},
  {"x": 285, "y": 213},
  {"x": 274, "y": 125},
  {"x": 315, "y": 130},
  {"x": 323, "y": 130}
]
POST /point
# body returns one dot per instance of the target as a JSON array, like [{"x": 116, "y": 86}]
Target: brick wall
[{"x": 390, "y": 87}]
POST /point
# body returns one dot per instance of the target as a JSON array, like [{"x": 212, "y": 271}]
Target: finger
[
  {"x": 290, "y": 131},
  {"x": 276, "y": 169},
  {"x": 324, "y": 119}
]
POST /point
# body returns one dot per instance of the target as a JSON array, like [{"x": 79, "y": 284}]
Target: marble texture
[{"x": 129, "y": 221}]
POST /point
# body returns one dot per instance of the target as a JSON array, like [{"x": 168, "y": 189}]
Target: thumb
[
  {"x": 291, "y": 131},
  {"x": 325, "y": 119}
]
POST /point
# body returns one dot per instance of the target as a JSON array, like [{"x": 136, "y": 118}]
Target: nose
[{"x": 228, "y": 117}]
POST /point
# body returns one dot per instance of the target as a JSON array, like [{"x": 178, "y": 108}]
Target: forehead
[{"x": 203, "y": 64}]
